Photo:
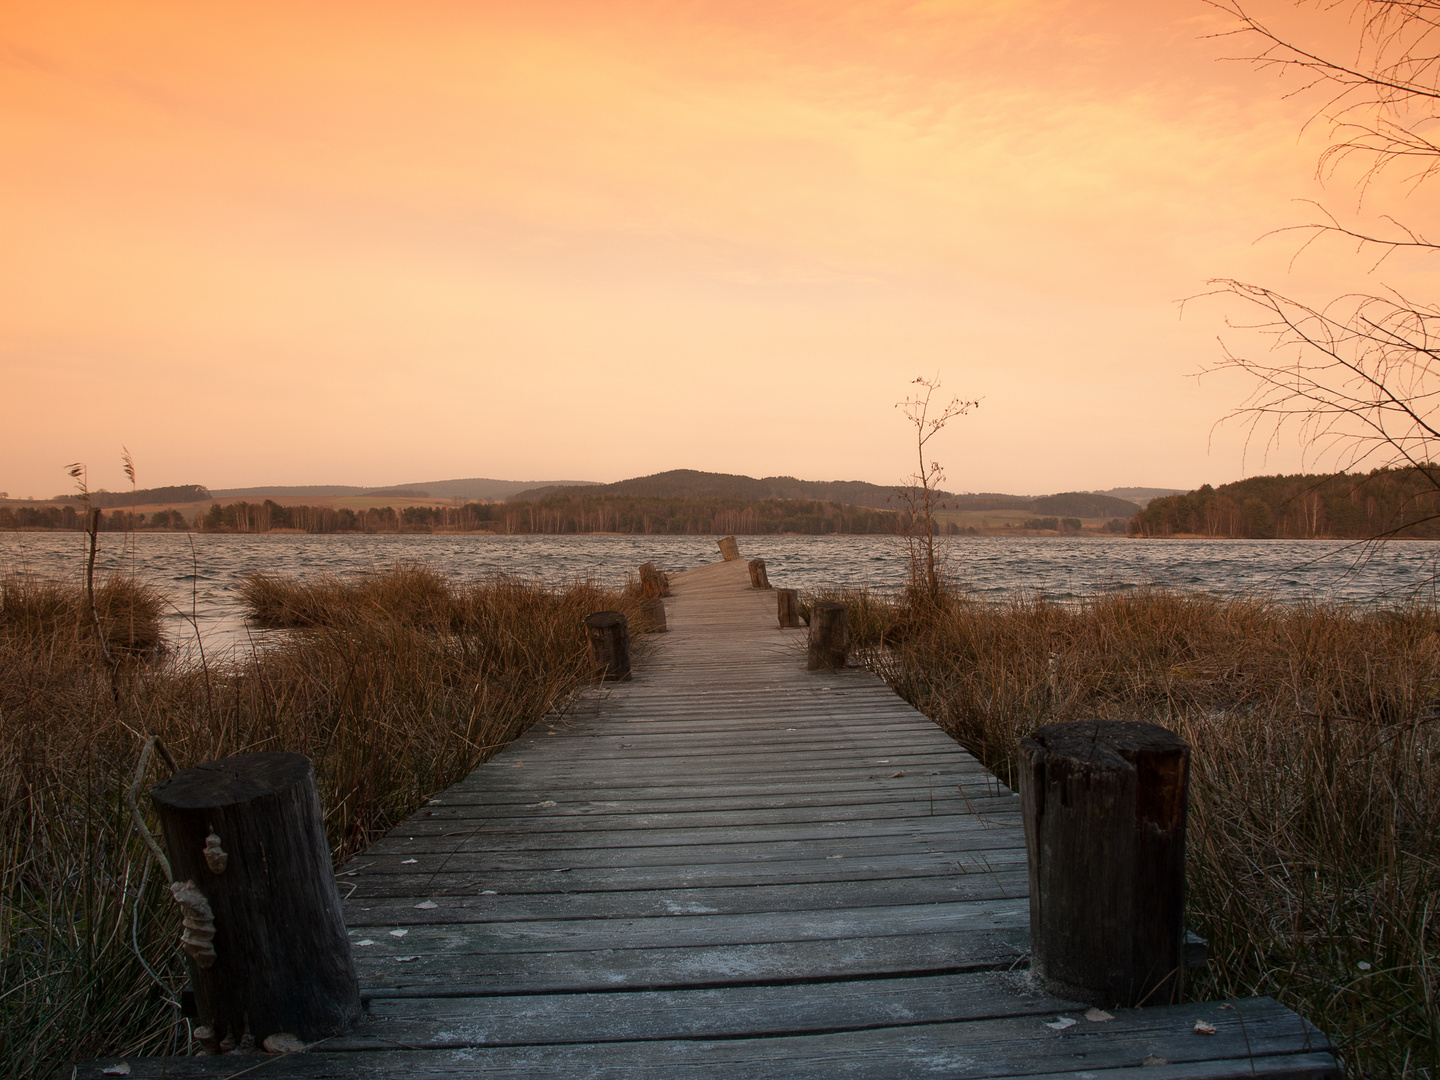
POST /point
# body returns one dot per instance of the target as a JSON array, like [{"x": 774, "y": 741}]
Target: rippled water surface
[{"x": 201, "y": 583}]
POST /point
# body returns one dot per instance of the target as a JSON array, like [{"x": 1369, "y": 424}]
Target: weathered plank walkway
[{"x": 731, "y": 867}]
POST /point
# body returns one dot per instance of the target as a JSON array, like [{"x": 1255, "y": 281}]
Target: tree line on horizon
[
  {"x": 1342, "y": 506},
  {"x": 1384, "y": 502},
  {"x": 553, "y": 515}
]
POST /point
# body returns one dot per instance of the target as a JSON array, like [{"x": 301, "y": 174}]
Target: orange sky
[{"x": 373, "y": 243}]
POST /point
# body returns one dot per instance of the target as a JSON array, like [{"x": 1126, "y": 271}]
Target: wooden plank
[
  {"x": 696, "y": 856},
  {"x": 647, "y": 788},
  {"x": 1011, "y": 1046},
  {"x": 433, "y": 1023},
  {"x": 540, "y": 784},
  {"x": 546, "y": 971},
  {"x": 454, "y": 938},
  {"x": 644, "y": 746},
  {"x": 429, "y": 885},
  {"x": 496, "y": 907},
  {"x": 496, "y": 837},
  {"x": 556, "y": 820},
  {"x": 737, "y": 762}
]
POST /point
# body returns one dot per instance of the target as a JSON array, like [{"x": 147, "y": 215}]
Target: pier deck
[{"x": 730, "y": 867}]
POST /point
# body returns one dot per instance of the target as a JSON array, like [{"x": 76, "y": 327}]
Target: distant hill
[
  {"x": 1084, "y": 504},
  {"x": 477, "y": 488},
  {"x": 282, "y": 489},
  {"x": 674, "y": 484},
  {"x": 693, "y": 484},
  {"x": 178, "y": 493},
  {"x": 1140, "y": 496},
  {"x": 486, "y": 490}
]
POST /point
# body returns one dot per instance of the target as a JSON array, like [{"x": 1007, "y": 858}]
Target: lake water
[{"x": 200, "y": 582}]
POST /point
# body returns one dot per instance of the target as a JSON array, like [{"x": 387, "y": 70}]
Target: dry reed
[
  {"x": 399, "y": 685},
  {"x": 1314, "y": 843}
]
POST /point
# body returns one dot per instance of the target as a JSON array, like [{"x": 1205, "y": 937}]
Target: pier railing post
[
  {"x": 787, "y": 608},
  {"x": 729, "y": 550},
  {"x": 1104, "y": 810},
  {"x": 608, "y": 634},
  {"x": 758, "y": 580},
  {"x": 654, "y": 582},
  {"x": 829, "y": 635},
  {"x": 264, "y": 933}
]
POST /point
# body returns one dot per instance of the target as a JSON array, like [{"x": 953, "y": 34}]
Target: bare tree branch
[
  {"x": 920, "y": 498},
  {"x": 1355, "y": 379}
]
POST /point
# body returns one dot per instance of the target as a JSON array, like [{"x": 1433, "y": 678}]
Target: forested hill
[
  {"x": 1345, "y": 506},
  {"x": 692, "y": 484},
  {"x": 180, "y": 493}
]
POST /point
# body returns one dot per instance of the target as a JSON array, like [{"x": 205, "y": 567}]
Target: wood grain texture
[
  {"x": 730, "y": 866},
  {"x": 829, "y": 643},
  {"x": 280, "y": 960},
  {"x": 1104, "y": 808}
]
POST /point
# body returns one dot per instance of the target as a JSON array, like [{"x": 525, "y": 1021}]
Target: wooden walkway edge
[{"x": 730, "y": 867}]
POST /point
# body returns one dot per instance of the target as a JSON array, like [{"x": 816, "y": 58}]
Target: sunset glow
[{"x": 367, "y": 243}]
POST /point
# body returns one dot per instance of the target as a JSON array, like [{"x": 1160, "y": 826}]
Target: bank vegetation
[
  {"x": 1314, "y": 835},
  {"x": 397, "y": 684}
]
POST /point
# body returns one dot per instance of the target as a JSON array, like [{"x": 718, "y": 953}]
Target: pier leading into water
[{"x": 730, "y": 866}]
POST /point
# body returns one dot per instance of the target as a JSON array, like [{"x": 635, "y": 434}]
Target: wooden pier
[{"x": 730, "y": 866}]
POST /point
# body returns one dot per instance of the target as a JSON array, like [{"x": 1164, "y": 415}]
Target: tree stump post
[
  {"x": 787, "y": 605},
  {"x": 829, "y": 635},
  {"x": 652, "y": 616},
  {"x": 729, "y": 550},
  {"x": 264, "y": 934},
  {"x": 608, "y": 633},
  {"x": 758, "y": 580},
  {"x": 1104, "y": 810},
  {"x": 653, "y": 581}
]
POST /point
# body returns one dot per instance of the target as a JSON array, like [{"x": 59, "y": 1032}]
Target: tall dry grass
[
  {"x": 398, "y": 684},
  {"x": 1314, "y": 837}
]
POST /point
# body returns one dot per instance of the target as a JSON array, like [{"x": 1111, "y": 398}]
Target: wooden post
[
  {"x": 653, "y": 581},
  {"x": 787, "y": 603},
  {"x": 758, "y": 580},
  {"x": 609, "y": 636},
  {"x": 652, "y": 616},
  {"x": 729, "y": 550},
  {"x": 264, "y": 934},
  {"x": 829, "y": 635},
  {"x": 1104, "y": 809}
]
